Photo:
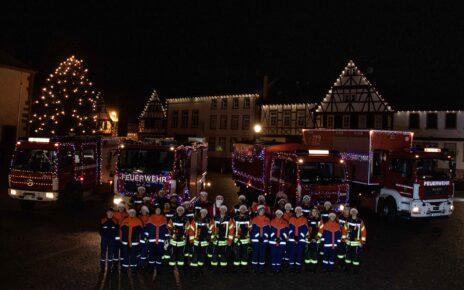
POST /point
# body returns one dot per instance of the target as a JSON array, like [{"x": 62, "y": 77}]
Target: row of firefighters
[{"x": 202, "y": 232}]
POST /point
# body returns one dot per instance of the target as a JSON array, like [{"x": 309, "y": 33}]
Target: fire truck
[
  {"x": 388, "y": 175},
  {"x": 66, "y": 169},
  {"x": 270, "y": 167},
  {"x": 160, "y": 164}
]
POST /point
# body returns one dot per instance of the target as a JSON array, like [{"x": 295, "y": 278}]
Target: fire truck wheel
[
  {"x": 388, "y": 210},
  {"x": 26, "y": 205}
]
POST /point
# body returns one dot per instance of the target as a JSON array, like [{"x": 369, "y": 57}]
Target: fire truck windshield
[
  {"x": 145, "y": 160},
  {"x": 322, "y": 172},
  {"x": 34, "y": 159},
  {"x": 429, "y": 168}
]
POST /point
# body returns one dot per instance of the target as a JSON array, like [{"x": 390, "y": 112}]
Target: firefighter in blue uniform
[
  {"x": 314, "y": 222},
  {"x": 354, "y": 234},
  {"x": 130, "y": 234},
  {"x": 156, "y": 235},
  {"x": 325, "y": 211},
  {"x": 137, "y": 199},
  {"x": 108, "y": 232},
  {"x": 260, "y": 226},
  {"x": 178, "y": 227},
  {"x": 223, "y": 236},
  {"x": 278, "y": 236},
  {"x": 330, "y": 237},
  {"x": 342, "y": 220},
  {"x": 199, "y": 236},
  {"x": 242, "y": 237},
  {"x": 298, "y": 233}
]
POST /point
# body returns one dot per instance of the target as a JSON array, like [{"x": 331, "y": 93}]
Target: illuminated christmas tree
[{"x": 66, "y": 104}]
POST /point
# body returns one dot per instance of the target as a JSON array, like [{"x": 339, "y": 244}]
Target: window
[
  {"x": 401, "y": 166},
  {"x": 212, "y": 122},
  {"x": 276, "y": 168},
  {"x": 362, "y": 122},
  {"x": 289, "y": 171},
  {"x": 378, "y": 122},
  {"x": 319, "y": 121},
  {"x": 451, "y": 147},
  {"x": 234, "y": 122},
  {"x": 450, "y": 121},
  {"x": 185, "y": 119},
  {"x": 346, "y": 122},
  {"x": 330, "y": 121},
  {"x": 246, "y": 103},
  {"x": 221, "y": 145},
  {"x": 223, "y": 103},
  {"x": 273, "y": 118},
  {"x": 195, "y": 119},
  {"x": 212, "y": 144},
  {"x": 301, "y": 118},
  {"x": 174, "y": 119},
  {"x": 245, "y": 122},
  {"x": 223, "y": 122},
  {"x": 89, "y": 155},
  {"x": 414, "y": 121},
  {"x": 287, "y": 118},
  {"x": 233, "y": 140},
  {"x": 235, "y": 103},
  {"x": 432, "y": 121},
  {"x": 213, "y": 104}
]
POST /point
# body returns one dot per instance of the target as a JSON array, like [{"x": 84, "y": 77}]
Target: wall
[
  {"x": 204, "y": 129},
  {"x": 442, "y": 137}
]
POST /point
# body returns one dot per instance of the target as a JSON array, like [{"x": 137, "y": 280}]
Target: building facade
[
  {"x": 16, "y": 86},
  {"x": 222, "y": 120},
  {"x": 153, "y": 119},
  {"x": 287, "y": 119},
  {"x": 444, "y": 129}
]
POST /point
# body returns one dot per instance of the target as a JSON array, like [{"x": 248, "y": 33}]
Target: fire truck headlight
[
  {"x": 452, "y": 207},
  {"x": 49, "y": 195},
  {"x": 341, "y": 207},
  {"x": 117, "y": 200},
  {"x": 13, "y": 192},
  {"x": 415, "y": 209}
]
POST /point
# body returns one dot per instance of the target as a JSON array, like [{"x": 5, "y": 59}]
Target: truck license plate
[{"x": 29, "y": 196}]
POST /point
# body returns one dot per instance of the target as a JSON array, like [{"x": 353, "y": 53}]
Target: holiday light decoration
[{"x": 67, "y": 103}]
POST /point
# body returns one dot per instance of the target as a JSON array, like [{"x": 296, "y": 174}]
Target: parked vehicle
[
  {"x": 388, "y": 175},
  {"x": 270, "y": 168},
  {"x": 68, "y": 169},
  {"x": 160, "y": 164}
]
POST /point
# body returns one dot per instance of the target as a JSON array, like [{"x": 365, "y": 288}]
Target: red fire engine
[
  {"x": 270, "y": 168},
  {"x": 160, "y": 164},
  {"x": 388, "y": 175},
  {"x": 60, "y": 168}
]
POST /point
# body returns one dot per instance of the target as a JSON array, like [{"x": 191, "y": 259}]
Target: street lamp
[{"x": 257, "y": 128}]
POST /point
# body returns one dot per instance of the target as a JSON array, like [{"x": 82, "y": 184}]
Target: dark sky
[{"x": 413, "y": 51}]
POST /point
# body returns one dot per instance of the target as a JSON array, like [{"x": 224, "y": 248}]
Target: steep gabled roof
[
  {"x": 154, "y": 108},
  {"x": 353, "y": 92}
]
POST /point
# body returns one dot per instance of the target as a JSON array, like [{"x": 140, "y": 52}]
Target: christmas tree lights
[{"x": 67, "y": 103}]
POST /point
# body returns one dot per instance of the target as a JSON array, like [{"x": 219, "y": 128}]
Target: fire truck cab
[
  {"x": 388, "y": 175},
  {"x": 60, "y": 168},
  {"x": 160, "y": 164},
  {"x": 290, "y": 168}
]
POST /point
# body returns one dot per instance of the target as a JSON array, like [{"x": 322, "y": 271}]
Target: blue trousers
[
  {"x": 117, "y": 251},
  {"x": 295, "y": 254},
  {"x": 276, "y": 256},
  {"x": 328, "y": 258},
  {"x": 129, "y": 256},
  {"x": 258, "y": 258},
  {"x": 155, "y": 254},
  {"x": 107, "y": 251}
]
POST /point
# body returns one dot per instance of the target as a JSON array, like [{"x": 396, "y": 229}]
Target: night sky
[{"x": 413, "y": 52}]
